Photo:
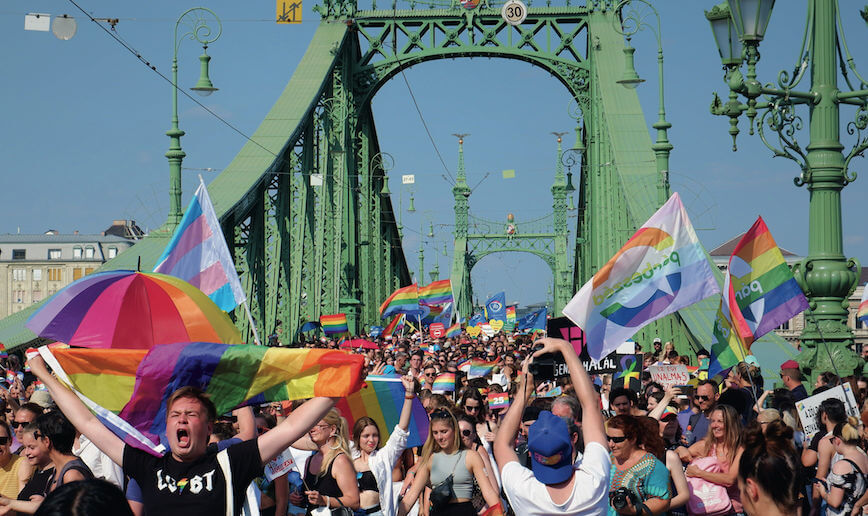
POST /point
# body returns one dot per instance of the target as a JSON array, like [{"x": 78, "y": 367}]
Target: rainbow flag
[
  {"x": 333, "y": 324},
  {"x": 198, "y": 254},
  {"x": 662, "y": 268},
  {"x": 436, "y": 293},
  {"x": 480, "y": 368},
  {"x": 463, "y": 365},
  {"x": 436, "y": 313},
  {"x": 445, "y": 382},
  {"x": 510, "y": 314},
  {"x": 137, "y": 384},
  {"x": 381, "y": 399},
  {"x": 498, "y": 400},
  {"x": 404, "y": 300},
  {"x": 453, "y": 331},
  {"x": 759, "y": 294},
  {"x": 397, "y": 324},
  {"x": 862, "y": 313}
]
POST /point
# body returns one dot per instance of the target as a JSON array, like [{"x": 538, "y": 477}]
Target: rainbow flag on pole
[
  {"x": 662, "y": 268},
  {"x": 436, "y": 293},
  {"x": 862, "y": 313},
  {"x": 381, "y": 398},
  {"x": 198, "y": 254},
  {"x": 445, "y": 382},
  {"x": 479, "y": 368},
  {"x": 404, "y": 300},
  {"x": 334, "y": 324},
  {"x": 453, "y": 331},
  {"x": 397, "y": 324},
  {"x": 759, "y": 294}
]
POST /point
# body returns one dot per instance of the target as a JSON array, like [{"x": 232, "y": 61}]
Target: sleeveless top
[
  {"x": 325, "y": 484},
  {"x": 76, "y": 464},
  {"x": 367, "y": 481},
  {"x": 442, "y": 466},
  {"x": 854, "y": 486},
  {"x": 37, "y": 485}
]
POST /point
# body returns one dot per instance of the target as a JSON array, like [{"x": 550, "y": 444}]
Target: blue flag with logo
[
  {"x": 533, "y": 321},
  {"x": 476, "y": 320},
  {"x": 495, "y": 307}
]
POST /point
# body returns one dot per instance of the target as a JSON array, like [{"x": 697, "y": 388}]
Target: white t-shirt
[{"x": 529, "y": 496}]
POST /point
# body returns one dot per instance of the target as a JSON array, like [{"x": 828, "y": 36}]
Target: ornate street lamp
[
  {"x": 198, "y": 22},
  {"x": 825, "y": 275},
  {"x": 631, "y": 21}
]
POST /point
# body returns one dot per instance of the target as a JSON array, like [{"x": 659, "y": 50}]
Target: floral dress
[
  {"x": 648, "y": 478},
  {"x": 853, "y": 484}
]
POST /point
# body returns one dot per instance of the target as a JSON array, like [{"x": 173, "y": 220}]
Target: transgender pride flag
[
  {"x": 198, "y": 254},
  {"x": 661, "y": 269},
  {"x": 862, "y": 313}
]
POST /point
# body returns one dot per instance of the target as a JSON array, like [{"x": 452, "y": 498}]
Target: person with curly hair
[{"x": 635, "y": 468}]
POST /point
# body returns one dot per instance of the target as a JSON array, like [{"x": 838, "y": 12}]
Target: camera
[
  {"x": 547, "y": 367},
  {"x": 619, "y": 498}
]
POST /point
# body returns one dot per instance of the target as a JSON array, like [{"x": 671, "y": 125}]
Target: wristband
[
  {"x": 328, "y": 502},
  {"x": 409, "y": 396}
]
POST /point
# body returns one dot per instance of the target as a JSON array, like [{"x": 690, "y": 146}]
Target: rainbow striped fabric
[
  {"x": 436, "y": 293},
  {"x": 510, "y": 314},
  {"x": 479, "y": 368},
  {"x": 759, "y": 294},
  {"x": 445, "y": 382},
  {"x": 662, "y": 268},
  {"x": 862, "y": 313},
  {"x": 381, "y": 399},
  {"x": 334, "y": 324},
  {"x": 198, "y": 254},
  {"x": 137, "y": 384},
  {"x": 396, "y": 325},
  {"x": 453, "y": 331},
  {"x": 404, "y": 300}
]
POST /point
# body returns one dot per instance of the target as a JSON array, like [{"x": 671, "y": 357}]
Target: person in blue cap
[{"x": 554, "y": 485}]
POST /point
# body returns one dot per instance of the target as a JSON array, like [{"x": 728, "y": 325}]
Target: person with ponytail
[
  {"x": 768, "y": 471},
  {"x": 845, "y": 483},
  {"x": 329, "y": 479}
]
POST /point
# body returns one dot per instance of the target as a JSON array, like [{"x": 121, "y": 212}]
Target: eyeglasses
[
  {"x": 616, "y": 439},
  {"x": 470, "y": 408},
  {"x": 467, "y": 433},
  {"x": 16, "y": 424},
  {"x": 703, "y": 398},
  {"x": 4, "y": 440},
  {"x": 9, "y": 411},
  {"x": 441, "y": 413}
]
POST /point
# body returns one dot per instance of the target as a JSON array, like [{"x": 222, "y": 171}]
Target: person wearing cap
[
  {"x": 554, "y": 485},
  {"x": 792, "y": 379}
]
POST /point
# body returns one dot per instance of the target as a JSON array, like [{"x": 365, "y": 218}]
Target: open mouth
[{"x": 183, "y": 437}]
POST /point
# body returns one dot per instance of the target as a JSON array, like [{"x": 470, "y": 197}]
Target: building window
[
  {"x": 51, "y": 292},
  {"x": 19, "y": 254},
  {"x": 19, "y": 296},
  {"x": 54, "y": 254},
  {"x": 76, "y": 253},
  {"x": 37, "y": 296},
  {"x": 112, "y": 252},
  {"x": 785, "y": 325},
  {"x": 19, "y": 274},
  {"x": 37, "y": 274},
  {"x": 76, "y": 273},
  {"x": 88, "y": 253},
  {"x": 87, "y": 271},
  {"x": 54, "y": 274}
]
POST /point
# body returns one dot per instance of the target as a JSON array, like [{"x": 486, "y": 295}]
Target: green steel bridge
[{"x": 303, "y": 249}]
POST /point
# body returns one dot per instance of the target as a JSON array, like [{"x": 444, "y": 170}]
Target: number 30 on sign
[{"x": 514, "y": 12}]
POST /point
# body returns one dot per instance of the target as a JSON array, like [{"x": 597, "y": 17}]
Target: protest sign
[
  {"x": 279, "y": 465},
  {"x": 628, "y": 373},
  {"x": 437, "y": 330},
  {"x": 563, "y": 328},
  {"x": 668, "y": 375},
  {"x": 808, "y": 407},
  {"x": 498, "y": 400}
]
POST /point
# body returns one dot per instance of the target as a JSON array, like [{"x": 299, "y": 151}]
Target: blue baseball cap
[{"x": 550, "y": 449}]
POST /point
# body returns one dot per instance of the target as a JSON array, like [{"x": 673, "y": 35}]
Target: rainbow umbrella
[{"x": 131, "y": 310}]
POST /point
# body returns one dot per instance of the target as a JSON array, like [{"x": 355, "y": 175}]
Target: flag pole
[{"x": 252, "y": 324}]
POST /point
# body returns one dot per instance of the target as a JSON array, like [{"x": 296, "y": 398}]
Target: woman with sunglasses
[
  {"x": 635, "y": 469},
  {"x": 374, "y": 465},
  {"x": 15, "y": 471},
  {"x": 475, "y": 405},
  {"x": 445, "y": 460},
  {"x": 471, "y": 441},
  {"x": 845, "y": 483}
]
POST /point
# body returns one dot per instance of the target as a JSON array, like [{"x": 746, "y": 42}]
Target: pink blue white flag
[
  {"x": 662, "y": 268},
  {"x": 862, "y": 313},
  {"x": 198, "y": 254}
]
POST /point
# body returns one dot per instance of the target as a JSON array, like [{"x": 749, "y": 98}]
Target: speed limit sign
[{"x": 514, "y": 12}]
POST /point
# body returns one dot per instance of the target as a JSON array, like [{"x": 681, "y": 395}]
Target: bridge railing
[{"x": 339, "y": 9}]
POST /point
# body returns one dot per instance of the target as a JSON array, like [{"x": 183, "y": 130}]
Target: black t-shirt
[{"x": 170, "y": 487}]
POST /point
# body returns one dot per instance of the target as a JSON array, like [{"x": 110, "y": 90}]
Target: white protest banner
[
  {"x": 669, "y": 374},
  {"x": 808, "y": 407},
  {"x": 279, "y": 465}
]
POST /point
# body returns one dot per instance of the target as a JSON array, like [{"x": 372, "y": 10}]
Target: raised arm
[
  {"x": 592, "y": 418},
  {"x": 407, "y": 408},
  {"x": 246, "y": 423},
  {"x": 78, "y": 414},
  {"x": 301, "y": 420}
]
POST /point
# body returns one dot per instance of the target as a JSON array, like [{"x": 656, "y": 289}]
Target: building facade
[
  {"x": 35, "y": 267},
  {"x": 792, "y": 329}
]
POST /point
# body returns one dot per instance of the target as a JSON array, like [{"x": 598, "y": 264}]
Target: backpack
[{"x": 706, "y": 497}]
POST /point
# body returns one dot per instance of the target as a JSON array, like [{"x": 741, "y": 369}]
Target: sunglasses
[
  {"x": 4, "y": 440},
  {"x": 441, "y": 413},
  {"x": 16, "y": 424},
  {"x": 467, "y": 433},
  {"x": 616, "y": 439},
  {"x": 471, "y": 408},
  {"x": 703, "y": 398}
]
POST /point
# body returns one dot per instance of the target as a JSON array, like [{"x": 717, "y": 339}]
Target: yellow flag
[{"x": 288, "y": 11}]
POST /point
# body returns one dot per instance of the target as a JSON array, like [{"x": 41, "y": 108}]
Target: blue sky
[{"x": 84, "y": 125}]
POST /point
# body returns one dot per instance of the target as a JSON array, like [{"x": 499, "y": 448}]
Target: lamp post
[
  {"x": 825, "y": 275},
  {"x": 197, "y": 21},
  {"x": 632, "y": 20}
]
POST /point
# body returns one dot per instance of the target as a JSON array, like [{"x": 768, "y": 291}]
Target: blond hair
[
  {"x": 848, "y": 431},
  {"x": 339, "y": 442}
]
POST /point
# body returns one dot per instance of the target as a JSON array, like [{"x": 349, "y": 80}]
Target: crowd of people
[{"x": 575, "y": 444}]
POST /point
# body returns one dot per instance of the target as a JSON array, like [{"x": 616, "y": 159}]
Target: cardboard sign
[
  {"x": 563, "y": 328},
  {"x": 629, "y": 372},
  {"x": 808, "y": 407},
  {"x": 437, "y": 330},
  {"x": 668, "y": 375},
  {"x": 279, "y": 465}
]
